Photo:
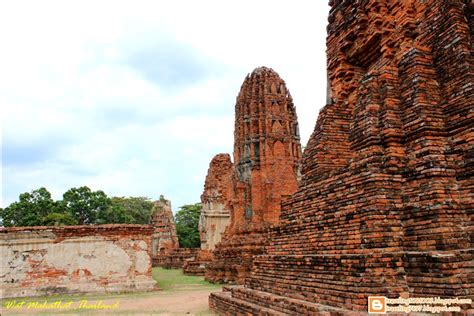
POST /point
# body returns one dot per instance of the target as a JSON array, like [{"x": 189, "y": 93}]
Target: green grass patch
[{"x": 174, "y": 279}]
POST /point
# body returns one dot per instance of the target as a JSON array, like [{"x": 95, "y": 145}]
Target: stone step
[
  {"x": 244, "y": 300},
  {"x": 224, "y": 304}
]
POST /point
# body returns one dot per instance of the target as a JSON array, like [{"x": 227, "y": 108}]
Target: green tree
[
  {"x": 30, "y": 210},
  {"x": 132, "y": 210},
  {"x": 84, "y": 205},
  {"x": 187, "y": 219},
  {"x": 59, "y": 219},
  {"x": 114, "y": 214}
]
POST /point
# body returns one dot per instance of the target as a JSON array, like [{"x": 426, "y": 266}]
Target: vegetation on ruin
[
  {"x": 78, "y": 206},
  {"x": 187, "y": 220}
]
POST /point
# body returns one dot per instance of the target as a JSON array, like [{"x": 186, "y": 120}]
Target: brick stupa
[
  {"x": 267, "y": 152},
  {"x": 385, "y": 205},
  {"x": 165, "y": 238}
]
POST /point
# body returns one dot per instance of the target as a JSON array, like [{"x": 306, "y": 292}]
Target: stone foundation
[
  {"x": 233, "y": 258},
  {"x": 176, "y": 259},
  {"x": 197, "y": 265},
  {"x": 39, "y": 261}
]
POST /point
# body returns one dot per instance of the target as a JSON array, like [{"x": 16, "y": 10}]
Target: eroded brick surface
[
  {"x": 216, "y": 201},
  {"x": 197, "y": 265},
  {"x": 385, "y": 205},
  {"x": 176, "y": 258},
  {"x": 266, "y": 165},
  {"x": 165, "y": 238},
  {"x": 215, "y": 213},
  {"x": 40, "y": 261}
]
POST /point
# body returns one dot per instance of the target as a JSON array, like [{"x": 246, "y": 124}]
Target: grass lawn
[{"x": 174, "y": 280}]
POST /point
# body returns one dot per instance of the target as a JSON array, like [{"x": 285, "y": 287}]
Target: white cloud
[{"x": 86, "y": 103}]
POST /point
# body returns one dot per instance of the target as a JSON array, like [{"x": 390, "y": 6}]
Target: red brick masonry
[
  {"x": 267, "y": 152},
  {"x": 165, "y": 237},
  {"x": 385, "y": 205}
]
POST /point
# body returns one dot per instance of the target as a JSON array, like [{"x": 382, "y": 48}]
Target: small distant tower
[{"x": 165, "y": 238}]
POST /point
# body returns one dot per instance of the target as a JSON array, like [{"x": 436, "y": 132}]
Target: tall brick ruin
[
  {"x": 385, "y": 204},
  {"x": 216, "y": 201},
  {"x": 267, "y": 152},
  {"x": 165, "y": 238},
  {"x": 215, "y": 212}
]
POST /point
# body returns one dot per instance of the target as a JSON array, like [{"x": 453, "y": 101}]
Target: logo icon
[{"x": 377, "y": 304}]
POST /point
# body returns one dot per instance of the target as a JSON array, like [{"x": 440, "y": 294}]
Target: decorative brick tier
[{"x": 385, "y": 205}]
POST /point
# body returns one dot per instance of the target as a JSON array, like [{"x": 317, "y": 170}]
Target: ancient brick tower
[
  {"x": 385, "y": 205},
  {"x": 266, "y": 148},
  {"x": 165, "y": 239},
  {"x": 266, "y": 161},
  {"x": 216, "y": 201}
]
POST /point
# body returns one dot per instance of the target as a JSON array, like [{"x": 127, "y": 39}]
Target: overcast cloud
[{"x": 134, "y": 98}]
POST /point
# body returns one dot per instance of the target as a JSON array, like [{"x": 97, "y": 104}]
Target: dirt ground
[
  {"x": 192, "y": 302},
  {"x": 178, "y": 295}
]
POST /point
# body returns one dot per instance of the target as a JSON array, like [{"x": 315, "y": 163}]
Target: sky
[{"x": 135, "y": 97}]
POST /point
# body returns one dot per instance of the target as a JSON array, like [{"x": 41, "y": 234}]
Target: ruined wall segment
[
  {"x": 267, "y": 152},
  {"x": 216, "y": 201},
  {"x": 38, "y": 261},
  {"x": 176, "y": 258},
  {"x": 165, "y": 238},
  {"x": 385, "y": 205}
]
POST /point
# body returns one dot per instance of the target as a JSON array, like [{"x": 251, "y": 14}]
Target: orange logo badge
[{"x": 377, "y": 304}]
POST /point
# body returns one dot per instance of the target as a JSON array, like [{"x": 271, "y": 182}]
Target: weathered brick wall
[
  {"x": 385, "y": 206},
  {"x": 75, "y": 259},
  {"x": 267, "y": 152}
]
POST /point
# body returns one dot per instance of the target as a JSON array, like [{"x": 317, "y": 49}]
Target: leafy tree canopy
[
  {"x": 138, "y": 209},
  {"x": 30, "y": 210},
  {"x": 78, "y": 206},
  {"x": 59, "y": 219},
  {"x": 187, "y": 219},
  {"x": 84, "y": 204}
]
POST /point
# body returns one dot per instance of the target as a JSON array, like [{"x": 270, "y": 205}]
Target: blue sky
[{"x": 135, "y": 98}]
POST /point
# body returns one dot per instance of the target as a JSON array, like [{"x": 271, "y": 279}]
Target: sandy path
[{"x": 179, "y": 302}]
